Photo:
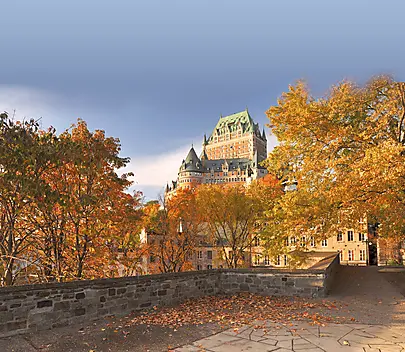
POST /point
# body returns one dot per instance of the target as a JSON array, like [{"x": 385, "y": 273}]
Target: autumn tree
[
  {"x": 345, "y": 153},
  {"x": 65, "y": 213},
  {"x": 26, "y": 154},
  {"x": 176, "y": 227},
  {"x": 230, "y": 214}
]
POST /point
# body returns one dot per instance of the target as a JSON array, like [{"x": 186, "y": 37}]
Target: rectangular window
[
  {"x": 199, "y": 254},
  {"x": 257, "y": 259},
  {"x": 362, "y": 237},
  {"x": 362, "y": 254},
  {"x": 324, "y": 243},
  {"x": 312, "y": 243},
  {"x": 292, "y": 241},
  {"x": 209, "y": 267},
  {"x": 209, "y": 254},
  {"x": 256, "y": 241},
  {"x": 341, "y": 256},
  {"x": 286, "y": 242},
  {"x": 350, "y": 236},
  {"x": 303, "y": 241},
  {"x": 266, "y": 260},
  {"x": 198, "y": 267},
  {"x": 350, "y": 255},
  {"x": 278, "y": 260},
  {"x": 340, "y": 237},
  {"x": 285, "y": 260}
]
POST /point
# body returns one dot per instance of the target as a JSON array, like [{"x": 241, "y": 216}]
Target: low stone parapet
[{"x": 46, "y": 306}]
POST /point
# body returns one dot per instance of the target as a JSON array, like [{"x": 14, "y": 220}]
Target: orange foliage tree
[
  {"x": 65, "y": 213},
  {"x": 175, "y": 226}
]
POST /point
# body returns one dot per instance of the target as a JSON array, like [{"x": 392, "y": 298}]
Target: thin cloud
[
  {"x": 24, "y": 102},
  {"x": 157, "y": 170}
]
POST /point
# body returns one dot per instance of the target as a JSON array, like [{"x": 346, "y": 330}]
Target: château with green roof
[{"x": 231, "y": 154}]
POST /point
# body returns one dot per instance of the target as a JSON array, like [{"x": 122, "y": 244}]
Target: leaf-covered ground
[{"x": 240, "y": 309}]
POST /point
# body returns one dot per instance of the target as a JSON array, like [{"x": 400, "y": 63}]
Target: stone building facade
[{"x": 232, "y": 154}]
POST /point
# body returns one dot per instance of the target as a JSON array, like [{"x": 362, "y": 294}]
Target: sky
[{"x": 158, "y": 74}]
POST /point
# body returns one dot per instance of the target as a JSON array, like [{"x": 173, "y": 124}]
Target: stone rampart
[{"x": 46, "y": 306}]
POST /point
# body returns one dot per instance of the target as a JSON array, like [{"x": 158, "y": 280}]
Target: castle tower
[
  {"x": 236, "y": 136},
  {"x": 191, "y": 171}
]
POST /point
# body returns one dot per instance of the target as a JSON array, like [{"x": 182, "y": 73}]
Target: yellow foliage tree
[{"x": 345, "y": 152}]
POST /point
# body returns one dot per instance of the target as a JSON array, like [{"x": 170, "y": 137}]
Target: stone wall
[
  {"x": 278, "y": 283},
  {"x": 45, "y": 306}
]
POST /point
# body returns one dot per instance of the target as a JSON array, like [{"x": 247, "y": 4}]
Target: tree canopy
[{"x": 345, "y": 154}]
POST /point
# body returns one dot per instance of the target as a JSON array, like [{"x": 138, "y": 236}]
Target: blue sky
[{"x": 157, "y": 74}]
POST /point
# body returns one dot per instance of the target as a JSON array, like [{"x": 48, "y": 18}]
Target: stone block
[
  {"x": 45, "y": 303},
  {"x": 80, "y": 295}
]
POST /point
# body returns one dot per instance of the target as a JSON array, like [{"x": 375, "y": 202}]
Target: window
[
  {"x": 362, "y": 254},
  {"x": 286, "y": 242},
  {"x": 302, "y": 241},
  {"x": 285, "y": 260},
  {"x": 292, "y": 241},
  {"x": 350, "y": 235},
  {"x": 266, "y": 260},
  {"x": 209, "y": 267},
  {"x": 312, "y": 242},
  {"x": 278, "y": 260},
  {"x": 152, "y": 259},
  {"x": 199, "y": 254},
  {"x": 340, "y": 237},
  {"x": 198, "y": 267},
  {"x": 209, "y": 254},
  {"x": 350, "y": 254},
  {"x": 324, "y": 243},
  {"x": 257, "y": 259},
  {"x": 341, "y": 256},
  {"x": 256, "y": 241},
  {"x": 362, "y": 237}
]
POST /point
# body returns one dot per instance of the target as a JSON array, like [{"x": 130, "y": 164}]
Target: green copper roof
[{"x": 231, "y": 123}]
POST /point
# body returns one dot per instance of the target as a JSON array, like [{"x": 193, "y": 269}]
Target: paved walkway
[
  {"x": 304, "y": 337},
  {"x": 369, "y": 298}
]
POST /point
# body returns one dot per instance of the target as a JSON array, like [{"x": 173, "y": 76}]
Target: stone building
[{"x": 232, "y": 154}]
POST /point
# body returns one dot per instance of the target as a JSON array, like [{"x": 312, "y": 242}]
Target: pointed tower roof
[
  {"x": 192, "y": 162},
  {"x": 264, "y": 135}
]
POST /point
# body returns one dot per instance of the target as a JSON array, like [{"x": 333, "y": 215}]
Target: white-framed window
[
  {"x": 293, "y": 240},
  {"x": 266, "y": 260},
  {"x": 257, "y": 259},
  {"x": 256, "y": 241},
  {"x": 303, "y": 241},
  {"x": 350, "y": 236},
  {"x": 285, "y": 260},
  {"x": 199, "y": 254},
  {"x": 362, "y": 254},
  {"x": 198, "y": 267},
  {"x": 362, "y": 236},
  {"x": 324, "y": 243},
  {"x": 340, "y": 237},
  {"x": 209, "y": 267},
  {"x": 350, "y": 255},
  {"x": 278, "y": 260},
  {"x": 312, "y": 242}
]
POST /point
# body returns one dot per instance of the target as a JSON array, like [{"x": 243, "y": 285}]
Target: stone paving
[{"x": 304, "y": 337}]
